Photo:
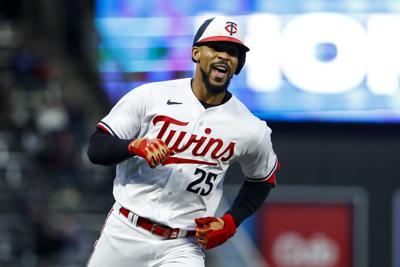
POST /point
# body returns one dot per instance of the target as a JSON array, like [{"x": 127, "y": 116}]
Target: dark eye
[
  {"x": 231, "y": 50},
  {"x": 216, "y": 47}
]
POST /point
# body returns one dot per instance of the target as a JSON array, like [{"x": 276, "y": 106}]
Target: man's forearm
[
  {"x": 106, "y": 149},
  {"x": 250, "y": 197}
]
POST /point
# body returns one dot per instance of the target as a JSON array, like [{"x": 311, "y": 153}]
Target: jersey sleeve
[
  {"x": 125, "y": 118},
  {"x": 259, "y": 162}
]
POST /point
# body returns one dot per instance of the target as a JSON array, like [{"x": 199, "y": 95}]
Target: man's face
[{"x": 218, "y": 62}]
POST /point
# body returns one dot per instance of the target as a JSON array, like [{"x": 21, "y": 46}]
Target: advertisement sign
[
  {"x": 308, "y": 61},
  {"x": 307, "y": 235}
]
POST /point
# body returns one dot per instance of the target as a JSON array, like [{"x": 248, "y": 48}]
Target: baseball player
[{"x": 173, "y": 142}]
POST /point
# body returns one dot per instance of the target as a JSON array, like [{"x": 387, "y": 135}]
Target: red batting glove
[
  {"x": 212, "y": 232},
  {"x": 154, "y": 151}
]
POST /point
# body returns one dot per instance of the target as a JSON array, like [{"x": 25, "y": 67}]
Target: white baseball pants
[{"x": 122, "y": 244}]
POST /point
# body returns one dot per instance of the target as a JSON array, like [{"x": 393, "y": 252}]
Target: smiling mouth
[{"x": 220, "y": 71}]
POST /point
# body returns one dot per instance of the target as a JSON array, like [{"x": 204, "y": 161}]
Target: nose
[{"x": 223, "y": 55}]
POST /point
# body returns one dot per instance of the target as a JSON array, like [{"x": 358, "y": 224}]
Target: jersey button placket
[{"x": 170, "y": 193}]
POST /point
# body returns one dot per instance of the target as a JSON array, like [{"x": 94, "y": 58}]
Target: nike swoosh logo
[{"x": 169, "y": 102}]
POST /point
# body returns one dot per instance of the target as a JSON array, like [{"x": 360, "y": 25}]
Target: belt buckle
[{"x": 166, "y": 233}]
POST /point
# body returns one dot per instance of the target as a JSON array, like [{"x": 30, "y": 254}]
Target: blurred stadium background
[{"x": 325, "y": 74}]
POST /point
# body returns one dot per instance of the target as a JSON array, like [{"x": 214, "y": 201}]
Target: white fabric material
[
  {"x": 207, "y": 141},
  {"x": 123, "y": 244}
]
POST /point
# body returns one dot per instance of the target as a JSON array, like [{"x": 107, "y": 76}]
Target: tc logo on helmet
[{"x": 231, "y": 27}]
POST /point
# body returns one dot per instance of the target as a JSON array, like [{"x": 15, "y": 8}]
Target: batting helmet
[{"x": 222, "y": 29}]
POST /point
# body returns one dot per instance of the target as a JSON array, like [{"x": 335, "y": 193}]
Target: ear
[{"x": 196, "y": 53}]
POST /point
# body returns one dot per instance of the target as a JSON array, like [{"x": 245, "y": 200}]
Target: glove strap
[{"x": 229, "y": 224}]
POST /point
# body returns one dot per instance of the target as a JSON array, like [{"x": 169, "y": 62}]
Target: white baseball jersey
[{"x": 206, "y": 143}]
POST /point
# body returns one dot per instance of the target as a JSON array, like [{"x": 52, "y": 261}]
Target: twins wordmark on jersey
[{"x": 200, "y": 146}]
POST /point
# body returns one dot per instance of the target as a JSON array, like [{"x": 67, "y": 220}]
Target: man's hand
[
  {"x": 212, "y": 232},
  {"x": 154, "y": 151}
]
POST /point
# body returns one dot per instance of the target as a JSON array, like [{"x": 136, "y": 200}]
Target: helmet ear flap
[{"x": 241, "y": 61}]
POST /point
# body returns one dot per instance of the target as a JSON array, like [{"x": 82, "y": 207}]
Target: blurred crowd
[{"x": 47, "y": 186}]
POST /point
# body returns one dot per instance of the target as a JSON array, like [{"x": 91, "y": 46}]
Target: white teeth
[{"x": 221, "y": 69}]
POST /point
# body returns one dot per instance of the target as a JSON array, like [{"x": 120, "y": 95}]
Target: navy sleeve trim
[
  {"x": 106, "y": 128},
  {"x": 270, "y": 174}
]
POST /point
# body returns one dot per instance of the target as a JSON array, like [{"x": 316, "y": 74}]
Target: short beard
[{"x": 214, "y": 89}]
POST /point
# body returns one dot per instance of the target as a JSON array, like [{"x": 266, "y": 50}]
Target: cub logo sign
[
  {"x": 307, "y": 235},
  {"x": 292, "y": 249}
]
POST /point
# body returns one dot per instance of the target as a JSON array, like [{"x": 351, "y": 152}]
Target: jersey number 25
[{"x": 204, "y": 184}]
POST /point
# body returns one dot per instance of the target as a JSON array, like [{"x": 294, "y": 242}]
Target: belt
[{"x": 155, "y": 228}]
